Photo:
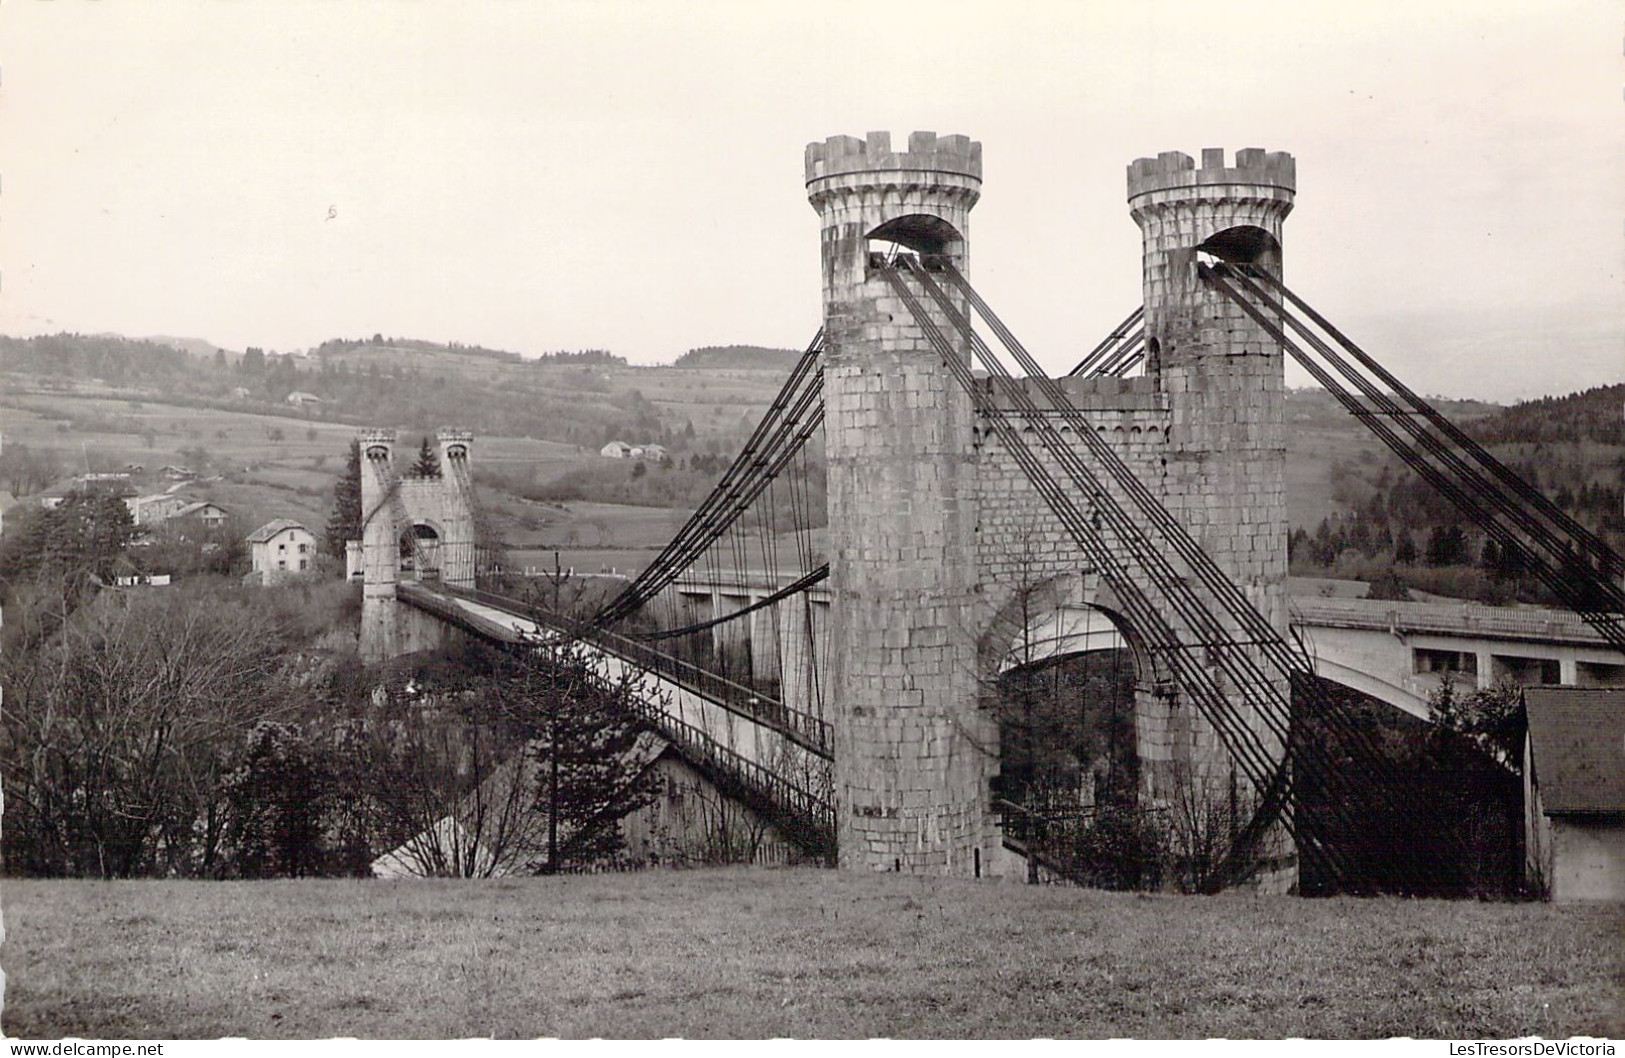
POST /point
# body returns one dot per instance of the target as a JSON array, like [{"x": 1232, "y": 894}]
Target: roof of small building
[
  {"x": 271, "y": 528},
  {"x": 194, "y": 508},
  {"x": 1577, "y": 739},
  {"x": 521, "y": 770}
]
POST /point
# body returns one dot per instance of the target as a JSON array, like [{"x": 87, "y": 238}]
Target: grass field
[{"x": 797, "y": 953}]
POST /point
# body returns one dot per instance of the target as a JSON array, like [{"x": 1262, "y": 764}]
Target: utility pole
[{"x": 553, "y": 737}]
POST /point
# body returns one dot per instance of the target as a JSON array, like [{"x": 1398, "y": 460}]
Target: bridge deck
[{"x": 767, "y": 765}]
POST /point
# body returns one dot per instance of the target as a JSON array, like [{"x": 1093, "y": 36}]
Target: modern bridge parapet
[
  {"x": 1490, "y": 622},
  {"x": 1398, "y": 652}
]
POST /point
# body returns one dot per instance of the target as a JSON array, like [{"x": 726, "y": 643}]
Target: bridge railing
[
  {"x": 807, "y": 730},
  {"x": 804, "y": 812},
  {"x": 806, "y": 815}
]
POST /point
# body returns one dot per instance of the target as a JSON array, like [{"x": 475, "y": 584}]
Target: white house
[
  {"x": 622, "y": 450},
  {"x": 300, "y": 398},
  {"x": 281, "y": 548}
]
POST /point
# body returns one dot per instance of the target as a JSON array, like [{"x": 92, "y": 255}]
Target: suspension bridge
[{"x": 980, "y": 515}]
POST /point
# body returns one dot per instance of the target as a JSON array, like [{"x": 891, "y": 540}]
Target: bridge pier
[
  {"x": 432, "y": 509},
  {"x": 1224, "y": 471},
  {"x": 913, "y": 754}
]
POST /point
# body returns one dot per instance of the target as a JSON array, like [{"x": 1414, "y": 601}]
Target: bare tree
[
  {"x": 453, "y": 793},
  {"x": 490, "y": 762},
  {"x": 120, "y": 725}
]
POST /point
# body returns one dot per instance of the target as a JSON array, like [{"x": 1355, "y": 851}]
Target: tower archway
[{"x": 420, "y": 552}]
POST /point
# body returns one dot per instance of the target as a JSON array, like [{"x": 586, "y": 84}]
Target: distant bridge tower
[
  {"x": 414, "y": 528},
  {"x": 1224, "y": 383},
  {"x": 912, "y": 751}
]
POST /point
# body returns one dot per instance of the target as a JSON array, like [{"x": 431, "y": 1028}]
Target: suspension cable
[
  {"x": 1262, "y": 770},
  {"x": 1476, "y": 497},
  {"x": 1101, "y": 351}
]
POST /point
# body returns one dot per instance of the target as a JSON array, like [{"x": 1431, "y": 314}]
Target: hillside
[
  {"x": 752, "y": 357},
  {"x": 76, "y": 403},
  {"x": 583, "y": 398},
  {"x": 1382, "y": 521},
  {"x": 72, "y": 404},
  {"x": 1593, "y": 415}
]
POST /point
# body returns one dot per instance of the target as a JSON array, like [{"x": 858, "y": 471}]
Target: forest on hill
[
  {"x": 736, "y": 357},
  {"x": 1594, "y": 415},
  {"x": 1398, "y": 533}
]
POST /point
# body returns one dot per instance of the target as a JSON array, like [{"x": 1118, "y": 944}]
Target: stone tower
[
  {"x": 913, "y": 756},
  {"x": 438, "y": 509},
  {"x": 1223, "y": 380},
  {"x": 380, "y": 548}
]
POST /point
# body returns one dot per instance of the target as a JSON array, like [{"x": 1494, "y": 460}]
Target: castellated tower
[
  {"x": 436, "y": 513},
  {"x": 913, "y": 755},
  {"x": 380, "y": 548},
  {"x": 1224, "y": 383},
  {"x": 447, "y": 504}
]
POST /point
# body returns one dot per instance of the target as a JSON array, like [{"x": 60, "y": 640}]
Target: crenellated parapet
[
  {"x": 1176, "y": 171},
  {"x": 1233, "y": 211},
  {"x": 376, "y": 445},
  {"x": 454, "y": 444},
  {"x": 927, "y": 151},
  {"x": 920, "y": 198}
]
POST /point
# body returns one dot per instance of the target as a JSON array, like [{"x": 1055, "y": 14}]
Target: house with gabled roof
[
  {"x": 1574, "y": 792},
  {"x": 279, "y": 549}
]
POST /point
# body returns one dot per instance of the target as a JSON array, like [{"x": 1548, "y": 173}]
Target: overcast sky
[{"x": 535, "y": 176}]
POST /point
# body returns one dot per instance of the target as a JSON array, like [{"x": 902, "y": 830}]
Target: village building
[
  {"x": 209, "y": 515},
  {"x": 116, "y": 483},
  {"x": 299, "y": 398},
  {"x": 622, "y": 450},
  {"x": 281, "y": 548},
  {"x": 1574, "y": 792},
  {"x": 155, "y": 507}
]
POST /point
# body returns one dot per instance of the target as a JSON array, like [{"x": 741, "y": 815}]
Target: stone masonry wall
[
  {"x": 1224, "y": 380},
  {"x": 934, "y": 526},
  {"x": 390, "y": 505},
  {"x": 912, "y": 759}
]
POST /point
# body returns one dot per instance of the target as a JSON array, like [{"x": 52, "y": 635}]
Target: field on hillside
[
  {"x": 1319, "y": 434},
  {"x": 789, "y": 953},
  {"x": 284, "y": 466},
  {"x": 259, "y": 466}
]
